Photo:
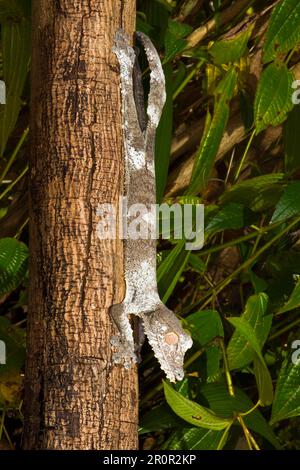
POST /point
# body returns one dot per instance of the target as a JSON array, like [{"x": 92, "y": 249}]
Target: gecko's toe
[{"x": 123, "y": 354}]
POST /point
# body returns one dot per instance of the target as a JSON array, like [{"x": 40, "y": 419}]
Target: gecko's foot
[{"x": 124, "y": 353}]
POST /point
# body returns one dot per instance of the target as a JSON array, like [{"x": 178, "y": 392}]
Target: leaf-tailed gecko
[{"x": 163, "y": 329}]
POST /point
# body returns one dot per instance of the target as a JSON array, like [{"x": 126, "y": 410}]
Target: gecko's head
[{"x": 168, "y": 340}]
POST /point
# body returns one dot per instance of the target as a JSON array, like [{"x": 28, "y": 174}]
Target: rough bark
[{"x": 74, "y": 397}]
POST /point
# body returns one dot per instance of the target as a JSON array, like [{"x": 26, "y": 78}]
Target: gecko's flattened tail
[{"x": 168, "y": 340}]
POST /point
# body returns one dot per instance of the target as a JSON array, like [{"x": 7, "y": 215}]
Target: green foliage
[
  {"x": 240, "y": 295},
  {"x": 287, "y": 395},
  {"x": 289, "y": 203},
  {"x": 213, "y": 133},
  {"x": 13, "y": 264},
  {"x": 231, "y": 49},
  {"x": 294, "y": 300},
  {"x": 273, "y": 97},
  {"x": 192, "y": 412},
  {"x": 284, "y": 29},
  {"x": 240, "y": 351}
]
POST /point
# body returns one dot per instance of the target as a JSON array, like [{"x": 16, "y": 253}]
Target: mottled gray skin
[{"x": 163, "y": 330}]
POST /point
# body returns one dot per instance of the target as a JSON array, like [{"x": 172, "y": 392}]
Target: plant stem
[
  {"x": 226, "y": 369},
  {"x": 2, "y": 423},
  {"x": 187, "y": 79},
  {"x": 236, "y": 241},
  {"x": 244, "y": 155},
  {"x": 248, "y": 262},
  {"x": 14, "y": 183},
  {"x": 14, "y": 154},
  {"x": 285, "y": 329}
]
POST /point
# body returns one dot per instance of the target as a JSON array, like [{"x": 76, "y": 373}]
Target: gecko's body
[{"x": 163, "y": 330}]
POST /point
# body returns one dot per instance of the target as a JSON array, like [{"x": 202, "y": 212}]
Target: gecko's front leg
[{"x": 123, "y": 343}]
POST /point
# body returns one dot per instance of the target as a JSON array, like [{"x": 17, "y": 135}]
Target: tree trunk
[{"x": 75, "y": 398}]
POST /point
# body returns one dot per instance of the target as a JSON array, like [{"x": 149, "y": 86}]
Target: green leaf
[
  {"x": 15, "y": 38},
  {"x": 287, "y": 394},
  {"x": 170, "y": 270},
  {"x": 231, "y": 49},
  {"x": 174, "y": 38},
  {"x": 164, "y": 136},
  {"x": 205, "y": 326},
  {"x": 273, "y": 98},
  {"x": 245, "y": 330},
  {"x": 159, "y": 418},
  {"x": 294, "y": 300},
  {"x": 240, "y": 351},
  {"x": 264, "y": 381},
  {"x": 284, "y": 29},
  {"x": 213, "y": 134},
  {"x": 193, "y": 439},
  {"x": 258, "y": 194},
  {"x": 216, "y": 397},
  {"x": 13, "y": 264},
  {"x": 229, "y": 217},
  {"x": 289, "y": 203},
  {"x": 197, "y": 264},
  {"x": 192, "y": 412},
  {"x": 261, "y": 372}
]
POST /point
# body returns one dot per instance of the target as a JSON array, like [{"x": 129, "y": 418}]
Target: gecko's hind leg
[{"x": 123, "y": 342}]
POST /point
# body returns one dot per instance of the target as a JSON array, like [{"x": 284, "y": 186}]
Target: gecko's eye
[{"x": 171, "y": 338}]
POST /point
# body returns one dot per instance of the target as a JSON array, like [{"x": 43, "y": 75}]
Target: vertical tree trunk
[{"x": 74, "y": 397}]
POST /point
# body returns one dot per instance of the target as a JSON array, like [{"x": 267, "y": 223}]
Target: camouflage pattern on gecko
[{"x": 163, "y": 329}]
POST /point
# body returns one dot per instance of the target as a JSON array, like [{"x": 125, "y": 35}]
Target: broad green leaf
[
  {"x": 157, "y": 14},
  {"x": 213, "y": 134},
  {"x": 284, "y": 29},
  {"x": 192, "y": 412},
  {"x": 273, "y": 98},
  {"x": 15, "y": 37},
  {"x": 294, "y": 300},
  {"x": 259, "y": 284},
  {"x": 264, "y": 381},
  {"x": 170, "y": 270},
  {"x": 159, "y": 418},
  {"x": 174, "y": 38},
  {"x": 193, "y": 439},
  {"x": 213, "y": 370},
  {"x": 13, "y": 264},
  {"x": 216, "y": 397},
  {"x": 229, "y": 217},
  {"x": 163, "y": 137},
  {"x": 205, "y": 326},
  {"x": 292, "y": 140},
  {"x": 197, "y": 264},
  {"x": 231, "y": 49},
  {"x": 289, "y": 203},
  {"x": 244, "y": 328},
  {"x": 258, "y": 194},
  {"x": 261, "y": 372},
  {"x": 240, "y": 350},
  {"x": 287, "y": 393},
  {"x": 14, "y": 340}
]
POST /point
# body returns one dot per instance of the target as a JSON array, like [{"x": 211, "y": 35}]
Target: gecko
[{"x": 162, "y": 328}]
